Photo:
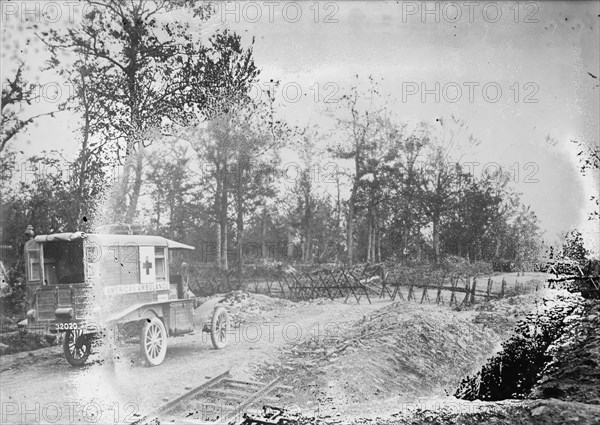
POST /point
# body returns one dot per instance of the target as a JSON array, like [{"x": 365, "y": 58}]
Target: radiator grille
[{"x": 48, "y": 299}]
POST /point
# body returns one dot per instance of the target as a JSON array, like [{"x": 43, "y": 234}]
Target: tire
[
  {"x": 219, "y": 328},
  {"x": 77, "y": 347},
  {"x": 153, "y": 341}
]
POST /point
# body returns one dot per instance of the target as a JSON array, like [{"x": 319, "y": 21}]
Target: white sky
[{"x": 548, "y": 60}]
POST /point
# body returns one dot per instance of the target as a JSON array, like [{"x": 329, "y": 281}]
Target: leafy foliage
[
  {"x": 573, "y": 247},
  {"x": 589, "y": 159},
  {"x": 17, "y": 92}
]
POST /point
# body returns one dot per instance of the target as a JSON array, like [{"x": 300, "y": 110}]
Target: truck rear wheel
[
  {"x": 77, "y": 347},
  {"x": 219, "y": 328},
  {"x": 153, "y": 341}
]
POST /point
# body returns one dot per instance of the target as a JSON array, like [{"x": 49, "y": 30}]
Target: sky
[{"x": 516, "y": 73}]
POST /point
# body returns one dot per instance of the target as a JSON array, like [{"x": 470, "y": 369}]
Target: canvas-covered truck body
[{"x": 86, "y": 284}]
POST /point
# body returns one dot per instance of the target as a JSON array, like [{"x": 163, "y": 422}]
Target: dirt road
[{"x": 47, "y": 390}]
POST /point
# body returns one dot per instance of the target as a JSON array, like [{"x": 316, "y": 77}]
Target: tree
[
  {"x": 256, "y": 159},
  {"x": 221, "y": 103},
  {"x": 465, "y": 231},
  {"x": 168, "y": 176},
  {"x": 16, "y": 93},
  {"x": 589, "y": 158},
  {"x": 439, "y": 193},
  {"x": 443, "y": 173},
  {"x": 358, "y": 116},
  {"x": 404, "y": 174},
  {"x": 139, "y": 72},
  {"x": 49, "y": 200},
  {"x": 304, "y": 199},
  {"x": 573, "y": 247}
]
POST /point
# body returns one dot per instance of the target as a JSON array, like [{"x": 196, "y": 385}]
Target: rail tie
[{"x": 231, "y": 397}]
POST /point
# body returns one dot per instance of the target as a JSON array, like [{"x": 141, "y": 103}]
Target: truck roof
[{"x": 111, "y": 239}]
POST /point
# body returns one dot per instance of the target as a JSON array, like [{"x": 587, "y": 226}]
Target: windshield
[{"x": 63, "y": 262}]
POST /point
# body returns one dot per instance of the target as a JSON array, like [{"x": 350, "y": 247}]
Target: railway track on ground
[{"x": 221, "y": 399}]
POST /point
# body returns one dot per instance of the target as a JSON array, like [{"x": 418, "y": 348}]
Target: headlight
[{"x": 64, "y": 313}]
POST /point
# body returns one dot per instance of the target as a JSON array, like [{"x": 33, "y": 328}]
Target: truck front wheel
[
  {"x": 153, "y": 341},
  {"x": 77, "y": 347},
  {"x": 219, "y": 328}
]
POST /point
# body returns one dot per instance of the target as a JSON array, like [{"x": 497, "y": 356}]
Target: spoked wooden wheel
[
  {"x": 77, "y": 347},
  {"x": 219, "y": 328},
  {"x": 153, "y": 341}
]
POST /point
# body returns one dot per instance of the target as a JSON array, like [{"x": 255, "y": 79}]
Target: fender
[
  {"x": 152, "y": 312},
  {"x": 140, "y": 311}
]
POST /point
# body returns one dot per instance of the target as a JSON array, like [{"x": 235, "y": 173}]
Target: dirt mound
[
  {"x": 503, "y": 314},
  {"x": 245, "y": 308},
  {"x": 404, "y": 350}
]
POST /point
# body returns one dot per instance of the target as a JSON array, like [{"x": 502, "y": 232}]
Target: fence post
[
  {"x": 465, "y": 300},
  {"x": 473, "y": 290},
  {"x": 489, "y": 288},
  {"x": 503, "y": 287}
]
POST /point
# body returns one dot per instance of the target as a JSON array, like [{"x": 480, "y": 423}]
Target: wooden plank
[
  {"x": 256, "y": 397},
  {"x": 411, "y": 294},
  {"x": 188, "y": 395},
  {"x": 424, "y": 295}
]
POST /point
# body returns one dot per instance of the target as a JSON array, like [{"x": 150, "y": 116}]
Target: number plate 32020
[{"x": 70, "y": 326}]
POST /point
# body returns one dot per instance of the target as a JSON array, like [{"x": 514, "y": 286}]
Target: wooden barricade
[{"x": 375, "y": 280}]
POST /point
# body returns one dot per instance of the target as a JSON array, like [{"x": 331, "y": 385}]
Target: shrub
[{"x": 15, "y": 299}]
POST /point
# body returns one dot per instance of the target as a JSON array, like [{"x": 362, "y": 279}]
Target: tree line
[{"x": 203, "y": 161}]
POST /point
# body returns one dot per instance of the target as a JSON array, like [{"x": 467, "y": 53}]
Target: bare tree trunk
[
  {"x": 436, "y": 238},
  {"x": 158, "y": 213},
  {"x": 290, "y": 244},
  {"x": 239, "y": 221},
  {"x": 171, "y": 205},
  {"x": 217, "y": 210},
  {"x": 223, "y": 219},
  {"x": 119, "y": 196},
  {"x": 338, "y": 221},
  {"x": 369, "y": 235},
  {"x": 263, "y": 242},
  {"x": 350, "y": 227},
  {"x": 374, "y": 239},
  {"x": 373, "y": 243},
  {"x": 218, "y": 244},
  {"x": 84, "y": 146},
  {"x": 135, "y": 189},
  {"x": 310, "y": 246},
  {"x": 378, "y": 246},
  {"x": 306, "y": 246}
]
